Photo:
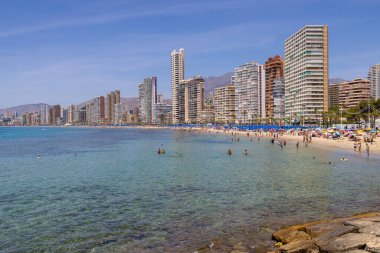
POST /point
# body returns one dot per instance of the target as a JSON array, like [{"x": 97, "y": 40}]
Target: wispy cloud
[{"x": 126, "y": 12}]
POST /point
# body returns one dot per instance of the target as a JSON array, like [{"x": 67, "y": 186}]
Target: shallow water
[{"x": 118, "y": 195}]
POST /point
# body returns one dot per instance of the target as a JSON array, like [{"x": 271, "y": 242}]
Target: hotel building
[
  {"x": 306, "y": 72},
  {"x": 274, "y": 69},
  {"x": 113, "y": 98},
  {"x": 148, "y": 100},
  {"x": 178, "y": 74},
  {"x": 349, "y": 94},
  {"x": 249, "y": 81},
  {"x": 374, "y": 78},
  {"x": 278, "y": 98},
  {"x": 95, "y": 111},
  {"x": 225, "y": 104},
  {"x": 190, "y": 100}
]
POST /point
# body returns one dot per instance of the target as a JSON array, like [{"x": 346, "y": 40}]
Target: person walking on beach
[
  {"x": 367, "y": 149},
  {"x": 297, "y": 145},
  {"x": 360, "y": 146},
  {"x": 355, "y": 146}
]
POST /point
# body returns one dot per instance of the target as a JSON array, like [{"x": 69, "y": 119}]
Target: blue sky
[{"x": 68, "y": 51}]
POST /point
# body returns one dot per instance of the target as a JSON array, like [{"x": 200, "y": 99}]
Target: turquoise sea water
[{"x": 107, "y": 190}]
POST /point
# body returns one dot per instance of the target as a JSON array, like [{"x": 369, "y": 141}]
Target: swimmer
[
  {"x": 159, "y": 151},
  {"x": 229, "y": 152},
  {"x": 245, "y": 152},
  {"x": 39, "y": 157},
  {"x": 163, "y": 151},
  {"x": 344, "y": 159}
]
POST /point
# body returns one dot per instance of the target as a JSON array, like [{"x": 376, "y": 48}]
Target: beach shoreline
[{"x": 342, "y": 143}]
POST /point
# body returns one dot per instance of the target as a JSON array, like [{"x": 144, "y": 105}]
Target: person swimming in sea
[
  {"x": 344, "y": 159},
  {"x": 39, "y": 157},
  {"x": 163, "y": 151},
  {"x": 229, "y": 152},
  {"x": 245, "y": 152},
  {"x": 159, "y": 151}
]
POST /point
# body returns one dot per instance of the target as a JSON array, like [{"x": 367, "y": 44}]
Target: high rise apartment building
[
  {"x": 177, "y": 75},
  {"x": 148, "y": 100},
  {"x": 306, "y": 72},
  {"x": 190, "y": 100},
  {"x": 225, "y": 104},
  {"x": 44, "y": 114},
  {"x": 333, "y": 95},
  {"x": 95, "y": 111},
  {"x": 113, "y": 98},
  {"x": 278, "y": 98},
  {"x": 249, "y": 81},
  {"x": 349, "y": 94},
  {"x": 274, "y": 69},
  {"x": 55, "y": 115},
  {"x": 374, "y": 78},
  {"x": 70, "y": 116}
]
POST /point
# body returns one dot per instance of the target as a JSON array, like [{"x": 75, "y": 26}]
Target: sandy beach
[{"x": 342, "y": 143}]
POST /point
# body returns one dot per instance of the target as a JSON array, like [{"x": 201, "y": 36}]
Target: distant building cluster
[
  {"x": 97, "y": 111},
  {"x": 282, "y": 88}
]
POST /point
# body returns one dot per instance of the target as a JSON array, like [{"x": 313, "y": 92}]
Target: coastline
[{"x": 343, "y": 144}]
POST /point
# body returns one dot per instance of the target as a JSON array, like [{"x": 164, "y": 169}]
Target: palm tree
[
  {"x": 162, "y": 118},
  {"x": 244, "y": 114}
]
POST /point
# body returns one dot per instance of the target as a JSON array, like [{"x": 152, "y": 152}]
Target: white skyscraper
[
  {"x": 374, "y": 78},
  {"x": 307, "y": 72},
  {"x": 249, "y": 81},
  {"x": 178, "y": 74},
  {"x": 44, "y": 112}
]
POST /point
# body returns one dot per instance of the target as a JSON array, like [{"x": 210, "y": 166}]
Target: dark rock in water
[{"x": 108, "y": 240}]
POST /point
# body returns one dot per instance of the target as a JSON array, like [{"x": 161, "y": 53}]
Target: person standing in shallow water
[
  {"x": 297, "y": 145},
  {"x": 229, "y": 152},
  {"x": 245, "y": 152},
  {"x": 367, "y": 149}
]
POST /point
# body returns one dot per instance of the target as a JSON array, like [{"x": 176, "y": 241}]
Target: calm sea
[{"x": 107, "y": 190}]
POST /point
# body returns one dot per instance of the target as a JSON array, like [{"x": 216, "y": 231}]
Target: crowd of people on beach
[{"x": 279, "y": 137}]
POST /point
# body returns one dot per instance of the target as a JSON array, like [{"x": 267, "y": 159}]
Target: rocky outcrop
[{"x": 356, "y": 234}]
